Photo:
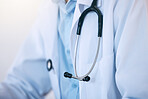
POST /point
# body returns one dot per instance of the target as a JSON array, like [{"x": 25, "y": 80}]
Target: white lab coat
[{"x": 121, "y": 68}]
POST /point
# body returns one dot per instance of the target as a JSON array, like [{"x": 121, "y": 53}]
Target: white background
[{"x": 16, "y": 19}]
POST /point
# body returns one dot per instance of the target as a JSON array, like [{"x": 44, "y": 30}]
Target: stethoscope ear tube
[{"x": 84, "y": 77}]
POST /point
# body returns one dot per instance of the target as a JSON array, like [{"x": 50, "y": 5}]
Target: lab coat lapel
[
  {"x": 48, "y": 22},
  {"x": 78, "y": 11},
  {"x": 77, "y": 14},
  {"x": 49, "y": 31}
]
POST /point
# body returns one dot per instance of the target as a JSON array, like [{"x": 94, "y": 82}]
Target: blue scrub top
[{"x": 69, "y": 88}]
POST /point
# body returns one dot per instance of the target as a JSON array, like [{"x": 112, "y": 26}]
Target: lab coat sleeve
[
  {"x": 131, "y": 45},
  {"x": 28, "y": 78}
]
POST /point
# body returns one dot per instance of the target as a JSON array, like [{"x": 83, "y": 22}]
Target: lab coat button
[{"x": 49, "y": 65}]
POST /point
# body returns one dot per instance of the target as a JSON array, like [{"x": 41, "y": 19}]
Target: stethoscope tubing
[
  {"x": 92, "y": 8},
  {"x": 75, "y": 60}
]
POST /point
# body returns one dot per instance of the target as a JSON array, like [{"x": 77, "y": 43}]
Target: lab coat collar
[{"x": 88, "y": 2}]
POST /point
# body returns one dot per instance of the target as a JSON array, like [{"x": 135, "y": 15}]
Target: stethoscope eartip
[
  {"x": 87, "y": 78},
  {"x": 67, "y": 75}
]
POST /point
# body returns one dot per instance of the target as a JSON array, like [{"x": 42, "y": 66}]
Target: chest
[{"x": 103, "y": 72}]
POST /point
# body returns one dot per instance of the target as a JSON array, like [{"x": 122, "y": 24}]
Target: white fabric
[{"x": 121, "y": 69}]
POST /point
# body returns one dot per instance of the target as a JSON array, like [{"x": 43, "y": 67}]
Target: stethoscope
[{"x": 92, "y": 8}]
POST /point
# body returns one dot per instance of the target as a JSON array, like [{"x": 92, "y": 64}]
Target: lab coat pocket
[
  {"x": 103, "y": 66},
  {"x": 107, "y": 73},
  {"x": 91, "y": 89},
  {"x": 102, "y": 84},
  {"x": 107, "y": 69},
  {"x": 107, "y": 63}
]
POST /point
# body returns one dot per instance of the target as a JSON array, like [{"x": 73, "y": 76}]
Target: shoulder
[
  {"x": 129, "y": 9},
  {"x": 47, "y": 12},
  {"x": 130, "y": 5}
]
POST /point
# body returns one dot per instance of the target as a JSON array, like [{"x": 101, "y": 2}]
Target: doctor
[{"x": 120, "y": 70}]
